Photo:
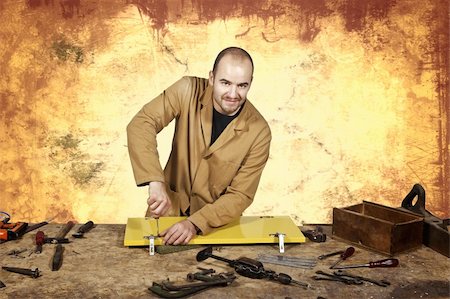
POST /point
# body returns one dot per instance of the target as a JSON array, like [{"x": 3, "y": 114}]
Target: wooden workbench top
[{"x": 99, "y": 266}]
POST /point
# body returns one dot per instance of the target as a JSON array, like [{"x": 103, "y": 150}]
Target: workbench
[{"x": 100, "y": 266}]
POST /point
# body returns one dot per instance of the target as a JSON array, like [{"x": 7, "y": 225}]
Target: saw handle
[{"x": 419, "y": 206}]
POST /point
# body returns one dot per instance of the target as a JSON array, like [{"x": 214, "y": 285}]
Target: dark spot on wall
[{"x": 65, "y": 50}]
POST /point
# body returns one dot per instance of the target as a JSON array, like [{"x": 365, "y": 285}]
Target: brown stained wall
[{"x": 356, "y": 93}]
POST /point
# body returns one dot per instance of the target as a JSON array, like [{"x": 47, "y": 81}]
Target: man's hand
[
  {"x": 179, "y": 233},
  {"x": 158, "y": 200}
]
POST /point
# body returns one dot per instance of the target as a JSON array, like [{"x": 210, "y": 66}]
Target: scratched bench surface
[
  {"x": 245, "y": 230},
  {"x": 100, "y": 266}
]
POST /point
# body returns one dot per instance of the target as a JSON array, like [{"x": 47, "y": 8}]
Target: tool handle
[
  {"x": 86, "y": 227},
  {"x": 65, "y": 229},
  {"x": 384, "y": 263},
  {"x": 40, "y": 238},
  {"x": 347, "y": 253}
]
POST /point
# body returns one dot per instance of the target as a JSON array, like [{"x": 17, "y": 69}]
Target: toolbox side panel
[
  {"x": 362, "y": 230},
  {"x": 407, "y": 236},
  {"x": 387, "y": 213}
]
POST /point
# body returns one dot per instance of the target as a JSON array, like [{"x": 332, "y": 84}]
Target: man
[{"x": 219, "y": 149}]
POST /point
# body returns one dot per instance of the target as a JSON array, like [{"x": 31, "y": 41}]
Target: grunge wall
[{"x": 355, "y": 92}]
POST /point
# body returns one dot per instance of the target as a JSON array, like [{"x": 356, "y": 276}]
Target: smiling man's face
[{"x": 231, "y": 83}]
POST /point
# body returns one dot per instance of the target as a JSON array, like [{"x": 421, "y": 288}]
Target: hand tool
[
  {"x": 83, "y": 229},
  {"x": 386, "y": 263},
  {"x": 381, "y": 283},
  {"x": 284, "y": 278},
  {"x": 40, "y": 237},
  {"x": 324, "y": 256},
  {"x": 33, "y": 273},
  {"x": 35, "y": 226},
  {"x": 38, "y": 225},
  {"x": 157, "y": 226},
  {"x": 332, "y": 277},
  {"x": 167, "y": 289},
  {"x": 345, "y": 255},
  {"x": 48, "y": 240},
  {"x": 57, "y": 257},
  {"x": 315, "y": 235},
  {"x": 64, "y": 230},
  {"x": 289, "y": 261},
  {"x": 12, "y": 231},
  {"x": 249, "y": 268},
  {"x": 435, "y": 232},
  {"x": 17, "y": 252}
]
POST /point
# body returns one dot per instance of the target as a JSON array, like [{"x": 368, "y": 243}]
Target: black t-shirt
[{"x": 220, "y": 122}]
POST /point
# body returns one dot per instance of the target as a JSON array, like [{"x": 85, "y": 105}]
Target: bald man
[{"x": 219, "y": 150}]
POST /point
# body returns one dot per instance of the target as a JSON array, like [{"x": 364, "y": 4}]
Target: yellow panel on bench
[{"x": 245, "y": 230}]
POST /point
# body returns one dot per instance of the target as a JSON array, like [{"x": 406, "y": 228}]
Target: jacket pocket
[{"x": 221, "y": 174}]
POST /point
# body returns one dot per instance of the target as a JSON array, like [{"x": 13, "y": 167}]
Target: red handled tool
[
  {"x": 40, "y": 240},
  {"x": 387, "y": 263},
  {"x": 345, "y": 255}
]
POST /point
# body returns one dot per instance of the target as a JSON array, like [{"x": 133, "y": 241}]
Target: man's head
[{"x": 231, "y": 78}]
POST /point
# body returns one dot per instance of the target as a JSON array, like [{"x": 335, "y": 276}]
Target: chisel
[{"x": 57, "y": 257}]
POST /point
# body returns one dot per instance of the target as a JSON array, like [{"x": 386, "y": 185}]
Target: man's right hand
[{"x": 158, "y": 200}]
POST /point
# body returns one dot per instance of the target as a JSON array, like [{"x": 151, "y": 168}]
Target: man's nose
[{"x": 233, "y": 91}]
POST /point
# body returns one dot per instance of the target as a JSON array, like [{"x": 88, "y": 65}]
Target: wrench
[
  {"x": 332, "y": 277},
  {"x": 381, "y": 283}
]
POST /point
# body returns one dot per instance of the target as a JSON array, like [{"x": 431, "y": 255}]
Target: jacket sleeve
[
  {"x": 146, "y": 124},
  {"x": 240, "y": 193}
]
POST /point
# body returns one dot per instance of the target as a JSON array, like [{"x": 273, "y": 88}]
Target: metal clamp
[
  {"x": 151, "y": 245},
  {"x": 280, "y": 237}
]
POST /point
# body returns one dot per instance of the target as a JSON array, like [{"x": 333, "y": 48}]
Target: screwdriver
[
  {"x": 345, "y": 255},
  {"x": 377, "y": 264},
  {"x": 324, "y": 256},
  {"x": 157, "y": 226}
]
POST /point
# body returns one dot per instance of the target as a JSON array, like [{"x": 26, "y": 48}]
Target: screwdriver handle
[
  {"x": 86, "y": 227},
  {"x": 384, "y": 263},
  {"x": 347, "y": 253}
]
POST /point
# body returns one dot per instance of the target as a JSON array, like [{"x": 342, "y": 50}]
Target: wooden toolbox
[{"x": 373, "y": 226}]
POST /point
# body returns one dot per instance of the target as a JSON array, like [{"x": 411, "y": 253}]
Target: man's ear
[{"x": 211, "y": 78}]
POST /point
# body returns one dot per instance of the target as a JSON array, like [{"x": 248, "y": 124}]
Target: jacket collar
[{"x": 239, "y": 124}]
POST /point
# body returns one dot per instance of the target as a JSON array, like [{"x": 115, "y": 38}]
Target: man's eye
[
  {"x": 226, "y": 83},
  {"x": 242, "y": 86}
]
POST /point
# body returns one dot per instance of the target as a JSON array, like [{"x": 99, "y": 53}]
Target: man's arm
[
  {"x": 145, "y": 125},
  {"x": 142, "y": 144},
  {"x": 240, "y": 193}
]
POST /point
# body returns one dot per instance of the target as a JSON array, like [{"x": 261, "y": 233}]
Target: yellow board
[{"x": 245, "y": 230}]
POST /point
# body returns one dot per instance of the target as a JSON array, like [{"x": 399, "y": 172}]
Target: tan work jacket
[{"x": 217, "y": 182}]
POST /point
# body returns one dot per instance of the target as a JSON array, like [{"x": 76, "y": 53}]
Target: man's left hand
[{"x": 179, "y": 233}]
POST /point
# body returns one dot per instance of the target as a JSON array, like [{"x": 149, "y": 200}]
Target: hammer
[{"x": 41, "y": 239}]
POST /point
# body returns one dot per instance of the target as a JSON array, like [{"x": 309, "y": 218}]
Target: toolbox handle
[{"x": 419, "y": 206}]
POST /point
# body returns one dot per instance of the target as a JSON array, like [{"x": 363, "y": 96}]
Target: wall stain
[{"x": 68, "y": 158}]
